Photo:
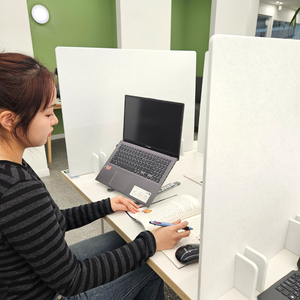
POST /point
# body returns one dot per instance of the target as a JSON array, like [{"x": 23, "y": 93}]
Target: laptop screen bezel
[{"x": 173, "y": 151}]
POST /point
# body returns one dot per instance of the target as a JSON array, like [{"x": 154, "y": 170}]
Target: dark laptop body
[
  {"x": 286, "y": 288},
  {"x": 151, "y": 126}
]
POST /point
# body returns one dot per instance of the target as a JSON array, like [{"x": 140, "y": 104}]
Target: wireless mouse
[{"x": 188, "y": 254}]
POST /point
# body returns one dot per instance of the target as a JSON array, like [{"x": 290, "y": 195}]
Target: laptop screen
[{"x": 154, "y": 124}]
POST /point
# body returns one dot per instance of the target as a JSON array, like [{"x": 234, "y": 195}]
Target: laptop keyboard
[
  {"x": 290, "y": 288},
  {"x": 140, "y": 162},
  {"x": 287, "y": 288}
]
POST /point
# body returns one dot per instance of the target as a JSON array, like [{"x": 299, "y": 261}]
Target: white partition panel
[
  {"x": 251, "y": 183},
  {"x": 144, "y": 24},
  {"x": 203, "y": 106},
  {"x": 15, "y": 36},
  {"x": 93, "y": 83}
]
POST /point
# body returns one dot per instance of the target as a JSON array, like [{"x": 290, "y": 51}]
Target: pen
[{"x": 163, "y": 224}]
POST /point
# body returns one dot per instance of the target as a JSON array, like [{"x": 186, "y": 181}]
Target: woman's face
[{"x": 41, "y": 126}]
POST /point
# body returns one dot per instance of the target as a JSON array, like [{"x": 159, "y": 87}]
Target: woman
[{"x": 35, "y": 260}]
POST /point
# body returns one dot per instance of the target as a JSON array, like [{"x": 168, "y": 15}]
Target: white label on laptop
[{"x": 140, "y": 194}]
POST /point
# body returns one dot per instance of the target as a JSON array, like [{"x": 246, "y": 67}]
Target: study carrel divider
[
  {"x": 93, "y": 83},
  {"x": 251, "y": 177}
]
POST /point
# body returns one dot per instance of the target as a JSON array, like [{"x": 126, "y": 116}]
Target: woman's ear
[{"x": 7, "y": 120}]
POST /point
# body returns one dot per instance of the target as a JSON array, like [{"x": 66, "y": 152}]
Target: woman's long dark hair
[{"x": 26, "y": 87}]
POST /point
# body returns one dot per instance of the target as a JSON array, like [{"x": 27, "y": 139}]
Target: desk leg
[
  {"x": 101, "y": 226},
  {"x": 49, "y": 149}
]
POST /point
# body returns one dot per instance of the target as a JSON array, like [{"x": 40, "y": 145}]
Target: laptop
[
  {"x": 150, "y": 147},
  {"x": 286, "y": 288}
]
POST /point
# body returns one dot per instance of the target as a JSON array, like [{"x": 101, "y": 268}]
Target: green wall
[
  {"x": 190, "y": 28},
  {"x": 92, "y": 23},
  {"x": 88, "y": 23},
  {"x": 77, "y": 23}
]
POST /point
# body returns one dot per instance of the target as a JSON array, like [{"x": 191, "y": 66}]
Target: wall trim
[{"x": 57, "y": 136}]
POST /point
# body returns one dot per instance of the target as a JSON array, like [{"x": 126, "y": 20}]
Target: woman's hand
[
  {"x": 121, "y": 203},
  {"x": 167, "y": 237}
]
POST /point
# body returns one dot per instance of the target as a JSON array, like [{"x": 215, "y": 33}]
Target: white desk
[{"x": 184, "y": 281}]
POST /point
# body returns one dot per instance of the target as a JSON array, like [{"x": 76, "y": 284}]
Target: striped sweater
[{"x": 35, "y": 261}]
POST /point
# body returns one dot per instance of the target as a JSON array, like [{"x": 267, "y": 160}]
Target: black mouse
[{"x": 188, "y": 254}]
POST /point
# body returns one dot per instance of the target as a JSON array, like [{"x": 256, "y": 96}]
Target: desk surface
[{"x": 183, "y": 281}]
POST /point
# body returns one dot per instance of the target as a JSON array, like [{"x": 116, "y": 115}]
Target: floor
[{"x": 65, "y": 196}]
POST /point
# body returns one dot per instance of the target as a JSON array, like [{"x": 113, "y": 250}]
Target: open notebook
[{"x": 184, "y": 207}]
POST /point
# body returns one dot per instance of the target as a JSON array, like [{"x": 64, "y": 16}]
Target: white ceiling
[{"x": 293, "y": 4}]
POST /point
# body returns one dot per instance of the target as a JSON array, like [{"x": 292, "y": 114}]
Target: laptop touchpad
[{"x": 120, "y": 181}]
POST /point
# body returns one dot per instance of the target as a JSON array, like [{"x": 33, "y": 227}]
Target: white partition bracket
[
  {"x": 182, "y": 147},
  {"x": 103, "y": 159},
  {"x": 245, "y": 276},
  {"x": 293, "y": 236},
  {"x": 262, "y": 263},
  {"x": 96, "y": 163}
]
